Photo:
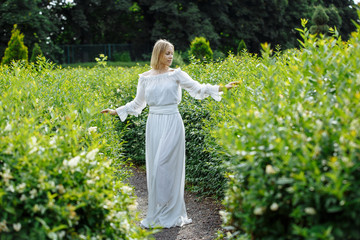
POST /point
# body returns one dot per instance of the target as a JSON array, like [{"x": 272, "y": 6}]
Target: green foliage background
[{"x": 141, "y": 23}]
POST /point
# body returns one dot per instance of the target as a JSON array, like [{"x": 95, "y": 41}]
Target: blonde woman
[{"x": 160, "y": 88}]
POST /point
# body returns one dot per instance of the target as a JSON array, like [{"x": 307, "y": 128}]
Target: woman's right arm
[{"x": 134, "y": 107}]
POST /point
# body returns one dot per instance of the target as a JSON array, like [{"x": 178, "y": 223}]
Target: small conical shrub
[
  {"x": 200, "y": 49},
  {"x": 241, "y": 46},
  {"x": 16, "y": 49},
  {"x": 320, "y": 19},
  {"x": 35, "y": 52}
]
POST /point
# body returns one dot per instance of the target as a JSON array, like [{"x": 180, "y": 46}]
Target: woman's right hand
[{"x": 110, "y": 111}]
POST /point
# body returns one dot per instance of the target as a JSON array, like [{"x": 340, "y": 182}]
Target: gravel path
[{"x": 203, "y": 212}]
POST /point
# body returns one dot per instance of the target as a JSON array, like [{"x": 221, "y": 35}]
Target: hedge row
[
  {"x": 61, "y": 165},
  {"x": 294, "y": 144}
]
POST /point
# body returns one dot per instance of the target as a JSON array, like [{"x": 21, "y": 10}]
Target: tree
[
  {"x": 200, "y": 49},
  {"x": 36, "y": 52},
  {"x": 16, "y": 49},
  {"x": 320, "y": 20},
  {"x": 241, "y": 46},
  {"x": 37, "y": 19},
  {"x": 346, "y": 9}
]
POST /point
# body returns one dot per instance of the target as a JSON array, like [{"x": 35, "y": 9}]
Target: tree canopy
[{"x": 141, "y": 22}]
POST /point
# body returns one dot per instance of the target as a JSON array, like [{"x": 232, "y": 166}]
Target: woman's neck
[{"x": 163, "y": 69}]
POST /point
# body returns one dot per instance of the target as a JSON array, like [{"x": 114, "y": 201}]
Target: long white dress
[{"x": 165, "y": 142}]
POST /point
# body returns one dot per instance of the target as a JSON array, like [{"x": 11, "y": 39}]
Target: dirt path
[{"x": 203, "y": 212}]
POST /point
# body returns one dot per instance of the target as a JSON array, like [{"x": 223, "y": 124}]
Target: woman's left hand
[
  {"x": 229, "y": 85},
  {"x": 232, "y": 84}
]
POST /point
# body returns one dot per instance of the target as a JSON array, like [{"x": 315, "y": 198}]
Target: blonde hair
[{"x": 159, "y": 49}]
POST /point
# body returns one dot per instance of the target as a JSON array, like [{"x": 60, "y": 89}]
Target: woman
[{"x": 160, "y": 88}]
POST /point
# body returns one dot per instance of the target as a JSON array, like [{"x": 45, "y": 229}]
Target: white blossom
[
  {"x": 53, "y": 140},
  {"x": 73, "y": 162},
  {"x": 269, "y": 169},
  {"x": 126, "y": 189},
  {"x": 125, "y": 225},
  {"x": 33, "y": 193},
  {"x": 92, "y": 129},
  {"x": 23, "y": 197},
  {"x": 274, "y": 206},
  {"x": 259, "y": 211},
  {"x": 133, "y": 207},
  {"x": 17, "y": 226},
  {"x": 91, "y": 155},
  {"x": 10, "y": 188},
  {"x": 8, "y": 127},
  {"x": 3, "y": 226},
  {"x": 6, "y": 175},
  {"x": 310, "y": 211}
]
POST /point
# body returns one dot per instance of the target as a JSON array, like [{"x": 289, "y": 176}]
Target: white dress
[{"x": 165, "y": 142}]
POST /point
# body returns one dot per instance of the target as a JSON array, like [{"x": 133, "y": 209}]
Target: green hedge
[
  {"x": 293, "y": 136},
  {"x": 61, "y": 164}
]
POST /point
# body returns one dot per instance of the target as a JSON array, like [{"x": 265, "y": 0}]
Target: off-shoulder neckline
[{"x": 173, "y": 71}]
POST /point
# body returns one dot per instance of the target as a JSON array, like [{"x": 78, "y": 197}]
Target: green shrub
[
  {"x": 16, "y": 49},
  {"x": 61, "y": 163},
  {"x": 293, "y": 137},
  {"x": 200, "y": 49},
  {"x": 219, "y": 55},
  {"x": 122, "y": 56},
  {"x": 241, "y": 47},
  {"x": 320, "y": 20},
  {"x": 36, "y": 52}
]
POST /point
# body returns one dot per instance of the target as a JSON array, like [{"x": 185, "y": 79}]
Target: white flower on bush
[
  {"x": 90, "y": 181},
  {"x": 125, "y": 225},
  {"x": 259, "y": 210},
  {"x": 10, "y": 188},
  {"x": 120, "y": 215},
  {"x": 133, "y": 206},
  {"x": 61, "y": 234},
  {"x": 6, "y": 175},
  {"x": 310, "y": 211},
  {"x": 33, "y": 193},
  {"x": 9, "y": 149},
  {"x": 53, "y": 140},
  {"x": 33, "y": 141},
  {"x": 17, "y": 226},
  {"x": 224, "y": 215},
  {"x": 108, "y": 204},
  {"x": 269, "y": 169},
  {"x": 3, "y": 226},
  {"x": 274, "y": 206},
  {"x": 92, "y": 129},
  {"x": 61, "y": 189},
  {"x": 91, "y": 155},
  {"x": 8, "y": 127},
  {"x": 72, "y": 162},
  {"x": 126, "y": 189},
  {"x": 23, "y": 197}
]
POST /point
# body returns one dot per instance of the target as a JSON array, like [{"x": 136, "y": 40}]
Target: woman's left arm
[{"x": 201, "y": 91}]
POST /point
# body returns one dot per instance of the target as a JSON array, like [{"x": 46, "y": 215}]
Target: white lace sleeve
[
  {"x": 134, "y": 107},
  {"x": 197, "y": 90}
]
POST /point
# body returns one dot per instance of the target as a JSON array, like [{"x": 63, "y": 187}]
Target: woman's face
[{"x": 167, "y": 57}]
